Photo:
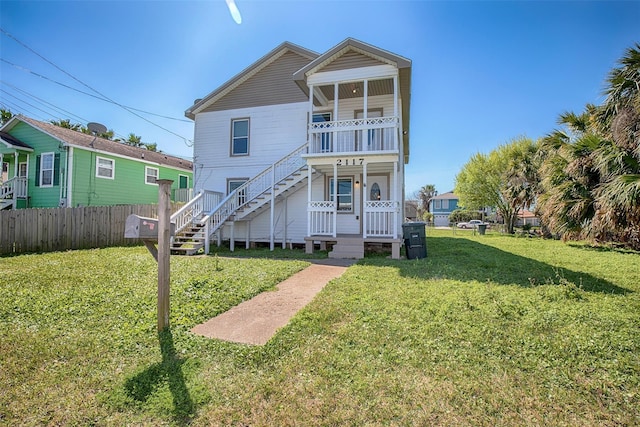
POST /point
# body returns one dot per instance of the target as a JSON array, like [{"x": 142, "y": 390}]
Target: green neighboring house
[{"x": 45, "y": 166}]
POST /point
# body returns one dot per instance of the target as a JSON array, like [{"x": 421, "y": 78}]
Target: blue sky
[{"x": 484, "y": 72}]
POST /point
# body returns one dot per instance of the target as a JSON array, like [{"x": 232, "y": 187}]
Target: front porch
[
  {"x": 13, "y": 192},
  {"x": 351, "y": 245}
]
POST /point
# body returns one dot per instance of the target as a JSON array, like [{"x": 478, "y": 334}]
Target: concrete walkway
[{"x": 255, "y": 321}]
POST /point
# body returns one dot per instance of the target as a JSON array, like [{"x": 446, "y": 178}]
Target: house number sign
[{"x": 350, "y": 162}]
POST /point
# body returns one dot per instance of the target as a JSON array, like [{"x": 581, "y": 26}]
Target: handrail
[
  {"x": 253, "y": 188},
  {"x": 202, "y": 202}
]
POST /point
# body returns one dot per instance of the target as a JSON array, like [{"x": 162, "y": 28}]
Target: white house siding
[
  {"x": 348, "y": 107},
  {"x": 274, "y": 131}
]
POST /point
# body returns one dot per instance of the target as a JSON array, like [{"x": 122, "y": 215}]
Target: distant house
[
  {"x": 526, "y": 217},
  {"x": 441, "y": 207},
  {"x": 45, "y": 166}
]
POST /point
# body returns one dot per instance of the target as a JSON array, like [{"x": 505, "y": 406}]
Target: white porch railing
[
  {"x": 204, "y": 201},
  {"x": 320, "y": 218},
  {"x": 357, "y": 135},
  {"x": 14, "y": 188},
  {"x": 381, "y": 218},
  {"x": 182, "y": 194}
]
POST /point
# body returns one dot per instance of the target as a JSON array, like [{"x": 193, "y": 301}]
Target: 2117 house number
[{"x": 349, "y": 162}]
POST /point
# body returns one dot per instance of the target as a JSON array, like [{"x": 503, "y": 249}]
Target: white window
[
  {"x": 150, "y": 175},
  {"x": 239, "y": 137},
  {"x": 234, "y": 183},
  {"x": 437, "y": 204},
  {"x": 345, "y": 192},
  {"x": 46, "y": 169},
  {"x": 105, "y": 168}
]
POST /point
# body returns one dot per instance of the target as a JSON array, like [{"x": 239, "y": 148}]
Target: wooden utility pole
[{"x": 164, "y": 251}]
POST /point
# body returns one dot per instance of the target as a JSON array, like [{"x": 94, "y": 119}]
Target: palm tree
[{"x": 425, "y": 194}]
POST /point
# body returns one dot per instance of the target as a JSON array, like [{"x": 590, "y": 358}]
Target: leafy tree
[
  {"x": 498, "y": 180},
  {"x": 5, "y": 116},
  {"x": 66, "y": 123},
  {"x": 133, "y": 140}
]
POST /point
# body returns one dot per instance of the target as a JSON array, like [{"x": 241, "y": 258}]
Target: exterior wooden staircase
[{"x": 201, "y": 218}]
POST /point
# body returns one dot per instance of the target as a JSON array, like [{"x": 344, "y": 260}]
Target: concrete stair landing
[{"x": 348, "y": 248}]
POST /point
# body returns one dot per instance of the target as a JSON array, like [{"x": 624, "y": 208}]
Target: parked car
[{"x": 474, "y": 223}]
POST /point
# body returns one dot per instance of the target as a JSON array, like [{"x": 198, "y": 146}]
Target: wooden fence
[{"x": 59, "y": 229}]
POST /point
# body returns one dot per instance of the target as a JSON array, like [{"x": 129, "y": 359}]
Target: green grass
[{"x": 487, "y": 330}]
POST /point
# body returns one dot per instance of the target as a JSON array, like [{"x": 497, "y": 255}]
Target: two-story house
[
  {"x": 303, "y": 148},
  {"x": 47, "y": 166},
  {"x": 441, "y": 207}
]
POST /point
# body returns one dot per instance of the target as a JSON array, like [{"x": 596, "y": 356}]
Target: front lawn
[{"x": 487, "y": 330}]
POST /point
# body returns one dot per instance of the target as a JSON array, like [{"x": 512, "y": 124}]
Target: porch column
[
  {"x": 232, "y": 238},
  {"x": 15, "y": 164},
  {"x": 1, "y": 163},
  {"x": 309, "y": 195},
  {"x": 310, "y": 142},
  {"x": 284, "y": 229},
  {"x": 335, "y": 117},
  {"x": 272, "y": 212},
  {"x": 396, "y": 91},
  {"x": 335, "y": 199},
  {"x": 365, "y": 133},
  {"x": 394, "y": 197},
  {"x": 365, "y": 199}
]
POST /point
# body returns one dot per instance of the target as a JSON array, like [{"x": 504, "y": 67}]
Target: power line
[
  {"x": 185, "y": 140},
  {"x": 26, "y": 70}
]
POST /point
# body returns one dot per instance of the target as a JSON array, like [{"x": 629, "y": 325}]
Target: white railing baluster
[{"x": 350, "y": 135}]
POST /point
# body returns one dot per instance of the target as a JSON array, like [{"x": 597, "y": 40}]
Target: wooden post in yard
[{"x": 164, "y": 251}]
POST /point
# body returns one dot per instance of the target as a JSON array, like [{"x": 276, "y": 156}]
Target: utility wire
[
  {"x": 42, "y": 101},
  {"x": 26, "y": 70},
  {"x": 92, "y": 89}
]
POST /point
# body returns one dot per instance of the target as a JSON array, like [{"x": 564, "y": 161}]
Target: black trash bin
[
  {"x": 482, "y": 228},
  {"x": 414, "y": 235}
]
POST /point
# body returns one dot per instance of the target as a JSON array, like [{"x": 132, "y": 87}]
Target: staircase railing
[
  {"x": 14, "y": 187},
  {"x": 253, "y": 188},
  {"x": 204, "y": 202}
]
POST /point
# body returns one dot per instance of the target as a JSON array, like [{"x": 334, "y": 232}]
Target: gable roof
[
  {"x": 448, "y": 195},
  {"x": 11, "y": 141},
  {"x": 202, "y": 104},
  {"x": 77, "y": 139},
  {"x": 347, "y": 45}
]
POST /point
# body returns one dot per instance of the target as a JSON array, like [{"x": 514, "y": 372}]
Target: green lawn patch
[{"x": 487, "y": 330}]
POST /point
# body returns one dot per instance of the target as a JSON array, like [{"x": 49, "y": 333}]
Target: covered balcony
[{"x": 360, "y": 116}]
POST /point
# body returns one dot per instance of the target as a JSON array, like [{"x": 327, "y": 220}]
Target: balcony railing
[
  {"x": 181, "y": 195},
  {"x": 357, "y": 135}
]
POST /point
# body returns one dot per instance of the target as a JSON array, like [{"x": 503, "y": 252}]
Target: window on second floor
[
  {"x": 105, "y": 168},
  {"x": 150, "y": 175},
  {"x": 239, "y": 137}
]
